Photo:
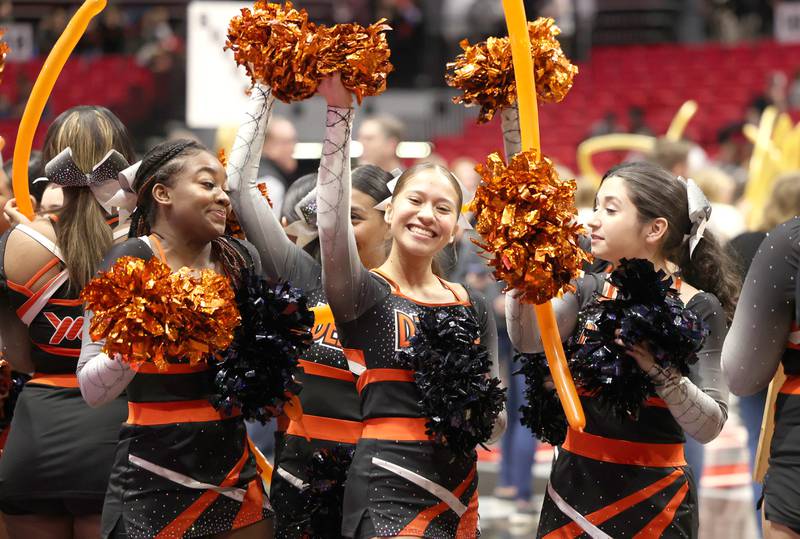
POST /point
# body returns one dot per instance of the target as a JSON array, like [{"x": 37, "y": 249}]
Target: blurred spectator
[
  {"x": 672, "y": 155},
  {"x": 584, "y": 200},
  {"x": 734, "y": 153},
  {"x": 464, "y": 169},
  {"x": 794, "y": 92},
  {"x": 726, "y": 220},
  {"x": 606, "y": 125},
  {"x": 278, "y": 165},
  {"x": 636, "y": 121},
  {"x": 380, "y": 135},
  {"x": 405, "y": 17},
  {"x": 774, "y": 95}
]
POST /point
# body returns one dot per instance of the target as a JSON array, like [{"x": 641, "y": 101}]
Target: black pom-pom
[
  {"x": 543, "y": 413},
  {"x": 646, "y": 309},
  {"x": 322, "y": 498},
  {"x": 255, "y": 373},
  {"x": 459, "y": 398}
]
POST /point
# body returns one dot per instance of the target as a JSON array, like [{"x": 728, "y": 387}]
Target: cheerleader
[
  {"x": 331, "y": 422},
  {"x": 763, "y": 335},
  {"x": 182, "y": 468},
  {"x": 48, "y": 486},
  {"x": 626, "y": 477},
  {"x": 401, "y": 483}
]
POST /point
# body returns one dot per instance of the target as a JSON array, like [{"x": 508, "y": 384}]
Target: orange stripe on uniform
[
  {"x": 250, "y": 511},
  {"x": 655, "y": 528},
  {"x": 164, "y": 413},
  {"x": 326, "y": 428},
  {"x": 325, "y": 371},
  {"x": 426, "y": 516},
  {"x": 791, "y": 386},
  {"x": 189, "y": 516},
  {"x": 56, "y": 380},
  {"x": 572, "y": 529},
  {"x": 404, "y": 429},
  {"x": 623, "y": 451},
  {"x": 384, "y": 375}
]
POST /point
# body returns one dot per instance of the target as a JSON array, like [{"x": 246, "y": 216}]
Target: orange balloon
[
  {"x": 529, "y": 130},
  {"x": 39, "y": 95}
]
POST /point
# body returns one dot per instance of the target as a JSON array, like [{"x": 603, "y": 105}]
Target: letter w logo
[{"x": 66, "y": 328}]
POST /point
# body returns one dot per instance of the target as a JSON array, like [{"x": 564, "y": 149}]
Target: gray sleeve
[
  {"x": 489, "y": 339},
  {"x": 279, "y": 257},
  {"x": 760, "y": 330},
  {"x": 699, "y": 402},
  {"x": 101, "y": 378},
  {"x": 349, "y": 286},
  {"x": 523, "y": 329}
]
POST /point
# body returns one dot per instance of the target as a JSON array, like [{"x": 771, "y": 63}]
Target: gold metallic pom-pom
[
  {"x": 147, "y": 313},
  {"x": 277, "y": 45},
  {"x": 360, "y": 54},
  {"x": 526, "y": 217},
  {"x": 484, "y": 72}
]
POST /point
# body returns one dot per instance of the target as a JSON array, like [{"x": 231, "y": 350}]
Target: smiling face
[
  {"x": 370, "y": 229},
  {"x": 617, "y": 229},
  {"x": 423, "y": 214},
  {"x": 195, "y": 201}
]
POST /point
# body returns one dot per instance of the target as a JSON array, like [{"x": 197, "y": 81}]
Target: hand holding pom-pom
[
  {"x": 278, "y": 47},
  {"x": 484, "y": 72},
  {"x": 526, "y": 217},
  {"x": 145, "y": 312},
  {"x": 459, "y": 398},
  {"x": 360, "y": 55},
  {"x": 645, "y": 318},
  {"x": 255, "y": 373}
]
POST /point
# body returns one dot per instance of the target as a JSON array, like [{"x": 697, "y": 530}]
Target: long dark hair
[
  {"x": 161, "y": 165},
  {"x": 657, "y": 193},
  {"x": 82, "y": 233}
]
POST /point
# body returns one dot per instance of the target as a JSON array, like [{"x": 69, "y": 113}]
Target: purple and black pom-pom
[
  {"x": 255, "y": 374},
  {"x": 452, "y": 372}
]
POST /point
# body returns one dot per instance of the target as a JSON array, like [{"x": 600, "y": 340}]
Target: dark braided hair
[{"x": 160, "y": 165}]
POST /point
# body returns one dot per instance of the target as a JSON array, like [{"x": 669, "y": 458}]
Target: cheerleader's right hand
[
  {"x": 13, "y": 215},
  {"x": 334, "y": 92}
]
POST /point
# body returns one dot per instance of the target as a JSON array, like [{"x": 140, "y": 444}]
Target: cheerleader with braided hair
[{"x": 182, "y": 468}]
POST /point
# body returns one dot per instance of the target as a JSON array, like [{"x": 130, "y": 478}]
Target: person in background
[
  {"x": 380, "y": 136},
  {"x": 672, "y": 155},
  {"x": 726, "y": 221},
  {"x": 278, "y": 165}
]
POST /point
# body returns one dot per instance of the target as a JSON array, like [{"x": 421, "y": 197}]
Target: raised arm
[
  {"x": 760, "y": 330},
  {"x": 348, "y": 284},
  {"x": 512, "y": 138},
  {"x": 280, "y": 258}
]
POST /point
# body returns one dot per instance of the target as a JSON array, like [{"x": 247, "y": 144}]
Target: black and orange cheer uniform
[
  {"x": 400, "y": 481},
  {"x": 331, "y": 422},
  {"x": 182, "y": 468},
  {"x": 628, "y": 477},
  {"x": 59, "y": 451}
]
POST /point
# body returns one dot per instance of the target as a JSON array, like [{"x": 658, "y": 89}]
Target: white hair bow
[{"x": 699, "y": 213}]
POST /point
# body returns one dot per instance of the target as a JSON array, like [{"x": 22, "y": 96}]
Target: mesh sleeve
[
  {"x": 349, "y": 287},
  {"x": 280, "y": 258}
]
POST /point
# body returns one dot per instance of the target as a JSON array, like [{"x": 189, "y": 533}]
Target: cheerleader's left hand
[{"x": 640, "y": 352}]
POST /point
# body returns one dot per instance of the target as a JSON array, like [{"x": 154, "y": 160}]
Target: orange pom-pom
[
  {"x": 276, "y": 44},
  {"x": 360, "y": 54},
  {"x": 484, "y": 72},
  {"x": 526, "y": 217},
  {"x": 146, "y": 313}
]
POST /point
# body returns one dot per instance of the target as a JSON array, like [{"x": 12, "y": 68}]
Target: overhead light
[
  {"x": 413, "y": 150},
  {"x": 405, "y": 150}
]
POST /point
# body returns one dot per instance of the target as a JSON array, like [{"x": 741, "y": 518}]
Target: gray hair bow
[{"x": 699, "y": 213}]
